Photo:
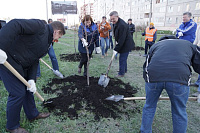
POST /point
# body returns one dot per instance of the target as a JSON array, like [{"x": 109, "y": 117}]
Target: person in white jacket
[{"x": 197, "y": 42}]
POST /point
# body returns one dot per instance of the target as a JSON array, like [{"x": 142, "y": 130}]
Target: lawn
[{"x": 86, "y": 123}]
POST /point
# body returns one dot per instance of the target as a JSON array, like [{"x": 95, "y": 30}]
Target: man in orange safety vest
[{"x": 150, "y": 37}]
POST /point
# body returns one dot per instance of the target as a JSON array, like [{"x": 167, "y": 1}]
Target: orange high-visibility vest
[{"x": 149, "y": 34}]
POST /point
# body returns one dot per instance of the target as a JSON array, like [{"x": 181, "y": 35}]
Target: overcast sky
[{"x": 34, "y": 9}]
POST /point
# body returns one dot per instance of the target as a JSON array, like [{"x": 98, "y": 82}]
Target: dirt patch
[
  {"x": 74, "y": 97},
  {"x": 138, "y": 48},
  {"x": 70, "y": 57}
]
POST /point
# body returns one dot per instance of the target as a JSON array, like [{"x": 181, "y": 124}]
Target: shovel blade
[
  {"x": 103, "y": 80},
  {"x": 115, "y": 98},
  {"x": 59, "y": 74}
]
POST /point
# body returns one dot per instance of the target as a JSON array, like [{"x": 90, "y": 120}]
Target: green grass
[{"x": 54, "y": 124}]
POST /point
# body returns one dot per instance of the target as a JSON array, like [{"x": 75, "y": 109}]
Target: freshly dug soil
[
  {"x": 75, "y": 96},
  {"x": 138, "y": 48},
  {"x": 70, "y": 57}
]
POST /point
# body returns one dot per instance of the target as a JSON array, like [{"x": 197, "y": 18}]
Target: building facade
[
  {"x": 165, "y": 14},
  {"x": 86, "y": 9}
]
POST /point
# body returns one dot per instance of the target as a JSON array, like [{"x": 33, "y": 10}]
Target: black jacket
[
  {"x": 25, "y": 41},
  {"x": 131, "y": 28},
  {"x": 124, "y": 40},
  {"x": 170, "y": 61}
]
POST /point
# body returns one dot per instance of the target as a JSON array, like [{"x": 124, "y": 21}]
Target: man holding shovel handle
[
  {"x": 22, "y": 43},
  {"x": 124, "y": 41}
]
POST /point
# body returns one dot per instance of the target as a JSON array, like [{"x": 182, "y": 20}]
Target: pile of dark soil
[
  {"x": 70, "y": 57},
  {"x": 74, "y": 96},
  {"x": 138, "y": 48}
]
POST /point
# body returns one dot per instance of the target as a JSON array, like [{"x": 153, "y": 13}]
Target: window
[
  {"x": 197, "y": 6},
  {"x": 187, "y": 7},
  {"x": 169, "y": 20},
  {"x": 179, "y": 8},
  {"x": 157, "y": 1},
  {"x": 170, "y": 9},
  {"x": 197, "y": 19},
  {"x": 176, "y": 20},
  {"x": 162, "y": 9}
]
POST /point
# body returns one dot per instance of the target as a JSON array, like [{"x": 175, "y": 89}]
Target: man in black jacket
[
  {"x": 124, "y": 41},
  {"x": 131, "y": 26},
  {"x": 168, "y": 66},
  {"x": 22, "y": 43}
]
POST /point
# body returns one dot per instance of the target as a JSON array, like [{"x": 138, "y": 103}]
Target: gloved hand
[
  {"x": 3, "y": 57},
  {"x": 84, "y": 42},
  {"x": 180, "y": 34},
  {"x": 33, "y": 87},
  {"x": 98, "y": 50},
  {"x": 115, "y": 52},
  {"x": 142, "y": 34},
  {"x": 173, "y": 32}
]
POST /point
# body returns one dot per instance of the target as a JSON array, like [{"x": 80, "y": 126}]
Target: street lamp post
[{"x": 150, "y": 13}]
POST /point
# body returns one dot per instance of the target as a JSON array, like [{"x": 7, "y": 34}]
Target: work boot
[
  {"x": 196, "y": 94},
  {"x": 79, "y": 70},
  {"x": 193, "y": 84},
  {"x": 17, "y": 130},
  {"x": 41, "y": 116},
  {"x": 119, "y": 76},
  {"x": 144, "y": 55}
]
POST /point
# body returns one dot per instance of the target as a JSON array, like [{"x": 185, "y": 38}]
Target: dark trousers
[
  {"x": 123, "y": 63},
  {"x": 148, "y": 45},
  {"x": 83, "y": 61},
  {"x": 18, "y": 97},
  {"x": 110, "y": 42}
]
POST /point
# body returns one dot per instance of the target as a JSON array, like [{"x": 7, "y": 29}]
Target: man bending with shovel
[
  {"x": 22, "y": 43},
  {"x": 167, "y": 67}
]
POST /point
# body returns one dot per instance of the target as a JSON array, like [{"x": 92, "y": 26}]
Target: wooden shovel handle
[
  {"x": 110, "y": 64},
  {"x": 7, "y": 65},
  {"x": 46, "y": 64},
  {"x": 161, "y": 98}
]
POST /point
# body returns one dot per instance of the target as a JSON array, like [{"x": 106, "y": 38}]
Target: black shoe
[
  {"x": 196, "y": 94},
  {"x": 194, "y": 84}
]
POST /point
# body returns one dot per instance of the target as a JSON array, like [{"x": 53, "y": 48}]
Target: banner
[{"x": 64, "y": 7}]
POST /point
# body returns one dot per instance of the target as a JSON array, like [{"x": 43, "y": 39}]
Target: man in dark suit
[
  {"x": 22, "y": 43},
  {"x": 124, "y": 41},
  {"x": 131, "y": 26}
]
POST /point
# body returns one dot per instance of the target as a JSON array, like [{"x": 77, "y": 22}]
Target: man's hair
[
  {"x": 188, "y": 13},
  {"x": 129, "y": 19},
  {"x": 57, "y": 25},
  {"x": 104, "y": 17},
  {"x": 50, "y": 20},
  {"x": 87, "y": 18},
  {"x": 114, "y": 13},
  {"x": 167, "y": 37}
]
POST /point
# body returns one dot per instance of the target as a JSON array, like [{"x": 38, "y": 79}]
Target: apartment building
[
  {"x": 87, "y": 9},
  {"x": 166, "y": 14}
]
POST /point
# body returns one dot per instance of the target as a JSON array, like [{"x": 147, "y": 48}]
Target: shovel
[
  {"x": 7, "y": 65},
  {"x": 104, "y": 80},
  {"x": 56, "y": 72},
  {"x": 117, "y": 98}
]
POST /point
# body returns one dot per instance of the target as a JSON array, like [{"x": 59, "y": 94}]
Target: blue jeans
[
  {"x": 103, "y": 40},
  {"x": 18, "y": 97},
  {"x": 54, "y": 61},
  {"x": 110, "y": 42},
  {"x": 123, "y": 63},
  {"x": 198, "y": 83},
  {"x": 178, "y": 95}
]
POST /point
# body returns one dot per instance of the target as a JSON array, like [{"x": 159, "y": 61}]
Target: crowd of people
[{"x": 167, "y": 65}]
